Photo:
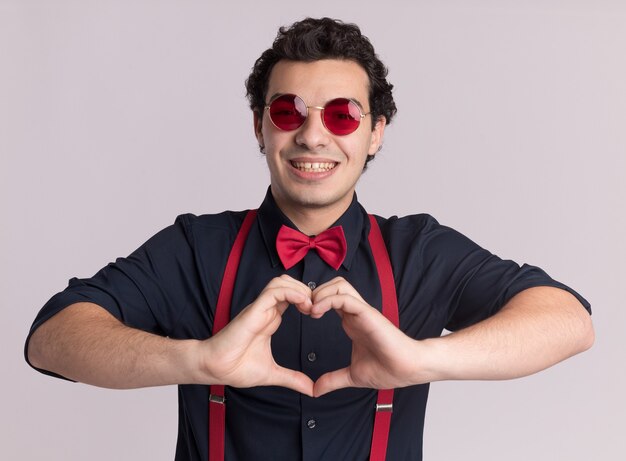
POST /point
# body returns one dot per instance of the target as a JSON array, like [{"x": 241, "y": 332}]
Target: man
[{"x": 302, "y": 381}]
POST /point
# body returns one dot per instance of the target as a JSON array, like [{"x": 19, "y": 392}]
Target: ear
[
  {"x": 258, "y": 132},
  {"x": 376, "y": 140}
]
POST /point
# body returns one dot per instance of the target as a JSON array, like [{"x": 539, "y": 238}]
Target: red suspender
[
  {"x": 384, "y": 402},
  {"x": 217, "y": 410}
]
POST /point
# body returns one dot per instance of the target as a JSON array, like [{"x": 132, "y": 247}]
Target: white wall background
[{"x": 511, "y": 128}]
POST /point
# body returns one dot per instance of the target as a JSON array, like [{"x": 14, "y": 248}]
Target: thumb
[
  {"x": 292, "y": 379},
  {"x": 331, "y": 381}
]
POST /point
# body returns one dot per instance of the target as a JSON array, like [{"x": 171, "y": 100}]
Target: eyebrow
[
  {"x": 274, "y": 96},
  {"x": 277, "y": 95}
]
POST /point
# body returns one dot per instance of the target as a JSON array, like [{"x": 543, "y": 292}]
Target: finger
[
  {"x": 331, "y": 381},
  {"x": 292, "y": 379},
  {"x": 336, "y": 286},
  {"x": 342, "y": 304},
  {"x": 264, "y": 313},
  {"x": 287, "y": 281}
]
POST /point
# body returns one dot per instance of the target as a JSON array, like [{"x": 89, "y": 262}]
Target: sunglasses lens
[
  {"x": 288, "y": 112},
  {"x": 342, "y": 116}
]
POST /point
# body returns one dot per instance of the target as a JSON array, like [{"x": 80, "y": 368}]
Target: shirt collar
[{"x": 271, "y": 218}]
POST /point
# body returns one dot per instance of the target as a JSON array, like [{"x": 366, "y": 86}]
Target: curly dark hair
[{"x": 314, "y": 39}]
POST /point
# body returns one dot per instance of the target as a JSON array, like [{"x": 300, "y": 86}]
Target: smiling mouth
[{"x": 314, "y": 167}]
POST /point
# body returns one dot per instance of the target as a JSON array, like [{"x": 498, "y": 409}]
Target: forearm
[
  {"x": 537, "y": 328},
  {"x": 87, "y": 344}
]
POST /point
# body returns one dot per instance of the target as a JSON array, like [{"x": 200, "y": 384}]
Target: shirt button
[
  {"x": 312, "y": 285},
  {"x": 311, "y": 423},
  {"x": 312, "y": 357}
]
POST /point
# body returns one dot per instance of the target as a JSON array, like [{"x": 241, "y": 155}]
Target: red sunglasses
[{"x": 340, "y": 116}]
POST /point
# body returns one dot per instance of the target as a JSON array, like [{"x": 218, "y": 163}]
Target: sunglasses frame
[{"x": 321, "y": 109}]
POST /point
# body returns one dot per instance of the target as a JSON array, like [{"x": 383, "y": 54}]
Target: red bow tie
[{"x": 292, "y": 246}]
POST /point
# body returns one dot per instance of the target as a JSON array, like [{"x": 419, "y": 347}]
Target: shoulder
[
  {"x": 226, "y": 221},
  {"x": 416, "y": 226},
  {"x": 421, "y": 222},
  {"x": 422, "y": 233},
  {"x": 191, "y": 230}
]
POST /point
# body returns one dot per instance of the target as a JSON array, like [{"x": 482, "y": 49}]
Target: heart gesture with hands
[{"x": 240, "y": 354}]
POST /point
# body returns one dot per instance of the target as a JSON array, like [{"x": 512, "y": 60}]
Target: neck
[{"x": 312, "y": 220}]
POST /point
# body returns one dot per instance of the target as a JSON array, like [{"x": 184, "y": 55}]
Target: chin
[{"x": 318, "y": 201}]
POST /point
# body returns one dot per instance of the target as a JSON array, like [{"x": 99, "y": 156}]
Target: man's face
[{"x": 295, "y": 185}]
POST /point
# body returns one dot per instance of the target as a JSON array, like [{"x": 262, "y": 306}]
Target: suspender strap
[
  {"x": 384, "y": 402},
  {"x": 217, "y": 408}
]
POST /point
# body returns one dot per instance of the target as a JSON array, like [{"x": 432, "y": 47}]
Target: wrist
[
  {"x": 197, "y": 363},
  {"x": 431, "y": 363}
]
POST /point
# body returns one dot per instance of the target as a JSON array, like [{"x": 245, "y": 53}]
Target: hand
[
  {"x": 240, "y": 354},
  {"x": 382, "y": 356}
]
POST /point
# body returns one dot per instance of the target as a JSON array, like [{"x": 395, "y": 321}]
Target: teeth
[{"x": 314, "y": 167}]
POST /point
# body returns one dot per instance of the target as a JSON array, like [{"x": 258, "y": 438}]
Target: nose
[{"x": 313, "y": 134}]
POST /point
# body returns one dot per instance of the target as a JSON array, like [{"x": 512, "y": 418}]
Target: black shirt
[{"x": 169, "y": 286}]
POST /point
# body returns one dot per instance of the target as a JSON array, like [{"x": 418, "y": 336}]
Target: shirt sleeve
[
  {"x": 460, "y": 282},
  {"x": 486, "y": 282},
  {"x": 148, "y": 290}
]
